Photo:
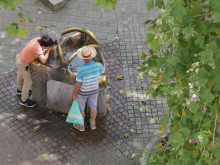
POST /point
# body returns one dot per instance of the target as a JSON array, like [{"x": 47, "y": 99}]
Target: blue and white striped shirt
[{"x": 88, "y": 74}]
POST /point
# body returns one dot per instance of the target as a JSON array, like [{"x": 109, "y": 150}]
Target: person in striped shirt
[{"x": 87, "y": 84}]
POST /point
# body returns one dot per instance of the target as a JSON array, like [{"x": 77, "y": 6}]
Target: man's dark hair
[{"x": 45, "y": 41}]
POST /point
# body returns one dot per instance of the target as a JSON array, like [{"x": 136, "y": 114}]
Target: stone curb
[{"x": 54, "y": 4}]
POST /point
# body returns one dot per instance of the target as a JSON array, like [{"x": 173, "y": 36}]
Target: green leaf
[
  {"x": 205, "y": 96},
  {"x": 206, "y": 154},
  {"x": 197, "y": 118},
  {"x": 218, "y": 129},
  {"x": 176, "y": 139},
  {"x": 216, "y": 17},
  {"x": 29, "y": 20},
  {"x": 203, "y": 73},
  {"x": 22, "y": 32},
  {"x": 213, "y": 46},
  {"x": 185, "y": 132},
  {"x": 216, "y": 152},
  {"x": 189, "y": 32},
  {"x": 206, "y": 56},
  {"x": 185, "y": 156},
  {"x": 109, "y": 4},
  {"x": 148, "y": 21},
  {"x": 216, "y": 81},
  {"x": 150, "y": 37},
  {"x": 203, "y": 138},
  {"x": 9, "y": 3},
  {"x": 164, "y": 120},
  {"x": 21, "y": 2},
  {"x": 173, "y": 60},
  {"x": 200, "y": 41},
  {"x": 187, "y": 21},
  {"x": 20, "y": 8},
  {"x": 178, "y": 13},
  {"x": 206, "y": 124},
  {"x": 211, "y": 27},
  {"x": 12, "y": 29},
  {"x": 20, "y": 15},
  {"x": 193, "y": 107},
  {"x": 150, "y": 4},
  {"x": 202, "y": 28},
  {"x": 159, "y": 4}
]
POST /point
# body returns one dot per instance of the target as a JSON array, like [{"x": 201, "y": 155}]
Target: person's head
[
  {"x": 45, "y": 41},
  {"x": 87, "y": 53}
]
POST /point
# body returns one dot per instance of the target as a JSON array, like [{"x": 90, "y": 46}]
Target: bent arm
[
  {"x": 104, "y": 73},
  {"x": 43, "y": 58},
  {"x": 76, "y": 90}
]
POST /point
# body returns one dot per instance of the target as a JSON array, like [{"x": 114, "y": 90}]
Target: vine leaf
[
  {"x": 22, "y": 32},
  {"x": 164, "y": 120},
  {"x": 208, "y": 132},
  {"x": 206, "y": 96},
  {"x": 150, "y": 4},
  {"x": 193, "y": 106}
]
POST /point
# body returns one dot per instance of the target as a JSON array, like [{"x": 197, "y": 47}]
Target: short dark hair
[{"x": 45, "y": 41}]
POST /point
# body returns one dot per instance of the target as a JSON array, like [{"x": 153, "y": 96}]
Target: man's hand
[
  {"x": 50, "y": 48},
  {"x": 76, "y": 89},
  {"x": 44, "y": 58},
  {"x": 74, "y": 97}
]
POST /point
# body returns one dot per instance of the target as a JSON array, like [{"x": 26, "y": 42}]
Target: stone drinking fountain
[{"x": 53, "y": 83}]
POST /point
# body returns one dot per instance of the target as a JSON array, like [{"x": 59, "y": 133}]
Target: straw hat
[{"x": 86, "y": 52}]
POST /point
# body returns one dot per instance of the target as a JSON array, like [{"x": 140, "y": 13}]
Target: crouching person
[
  {"x": 87, "y": 84},
  {"x": 32, "y": 50}
]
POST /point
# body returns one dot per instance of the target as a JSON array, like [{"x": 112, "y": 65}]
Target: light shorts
[{"x": 91, "y": 101}]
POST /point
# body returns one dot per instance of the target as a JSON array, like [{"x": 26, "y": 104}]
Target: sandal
[
  {"x": 92, "y": 126},
  {"x": 79, "y": 127}
]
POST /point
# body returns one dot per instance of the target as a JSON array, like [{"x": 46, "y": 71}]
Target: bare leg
[
  {"x": 83, "y": 115},
  {"x": 93, "y": 114}
]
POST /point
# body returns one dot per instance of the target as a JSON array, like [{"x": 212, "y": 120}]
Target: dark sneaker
[
  {"x": 19, "y": 92},
  {"x": 28, "y": 103},
  {"x": 92, "y": 126}
]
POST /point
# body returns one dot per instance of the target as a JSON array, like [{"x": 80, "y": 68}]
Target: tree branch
[
  {"x": 201, "y": 154},
  {"x": 172, "y": 2},
  {"x": 178, "y": 154},
  {"x": 203, "y": 15},
  {"x": 216, "y": 116}
]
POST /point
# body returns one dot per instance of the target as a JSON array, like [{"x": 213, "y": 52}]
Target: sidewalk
[{"x": 38, "y": 136}]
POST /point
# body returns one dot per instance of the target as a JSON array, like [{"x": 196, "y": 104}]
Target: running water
[{"x": 75, "y": 63}]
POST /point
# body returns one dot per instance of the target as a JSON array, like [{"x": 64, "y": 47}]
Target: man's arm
[
  {"x": 43, "y": 58},
  {"x": 104, "y": 73},
  {"x": 76, "y": 90}
]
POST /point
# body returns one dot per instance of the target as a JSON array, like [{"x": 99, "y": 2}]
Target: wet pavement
[{"x": 40, "y": 136}]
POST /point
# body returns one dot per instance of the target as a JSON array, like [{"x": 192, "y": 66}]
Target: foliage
[
  {"x": 183, "y": 61},
  {"x": 13, "y": 29},
  {"x": 109, "y": 4}
]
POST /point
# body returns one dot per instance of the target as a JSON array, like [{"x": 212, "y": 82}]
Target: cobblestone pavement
[{"x": 122, "y": 35}]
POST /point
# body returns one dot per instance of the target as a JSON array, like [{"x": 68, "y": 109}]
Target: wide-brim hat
[{"x": 86, "y": 52}]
